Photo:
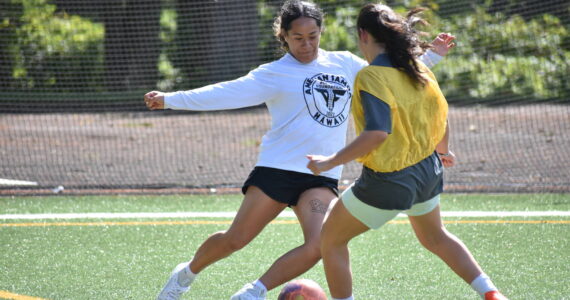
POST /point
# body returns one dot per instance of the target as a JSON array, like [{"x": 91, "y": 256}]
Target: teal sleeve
[{"x": 376, "y": 113}]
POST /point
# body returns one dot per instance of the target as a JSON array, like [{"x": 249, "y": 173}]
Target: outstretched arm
[
  {"x": 441, "y": 46},
  {"x": 252, "y": 89}
]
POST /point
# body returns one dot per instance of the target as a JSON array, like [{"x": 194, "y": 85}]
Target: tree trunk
[
  {"x": 216, "y": 40},
  {"x": 132, "y": 44},
  {"x": 132, "y": 41}
]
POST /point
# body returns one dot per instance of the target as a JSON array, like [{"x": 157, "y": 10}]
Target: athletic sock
[
  {"x": 349, "y": 298},
  {"x": 186, "y": 276},
  {"x": 483, "y": 284},
  {"x": 260, "y": 285}
]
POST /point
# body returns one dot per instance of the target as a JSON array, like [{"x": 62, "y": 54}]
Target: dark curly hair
[
  {"x": 397, "y": 33},
  {"x": 291, "y": 11}
]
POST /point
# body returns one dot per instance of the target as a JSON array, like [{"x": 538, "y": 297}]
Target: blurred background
[{"x": 73, "y": 74}]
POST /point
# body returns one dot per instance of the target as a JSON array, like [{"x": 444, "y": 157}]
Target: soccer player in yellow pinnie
[{"x": 400, "y": 115}]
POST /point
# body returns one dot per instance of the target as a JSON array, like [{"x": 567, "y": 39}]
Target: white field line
[
  {"x": 285, "y": 214},
  {"x": 13, "y": 182}
]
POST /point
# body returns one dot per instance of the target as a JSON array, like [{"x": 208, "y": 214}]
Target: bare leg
[
  {"x": 338, "y": 230},
  {"x": 433, "y": 236},
  {"x": 310, "y": 211},
  {"x": 255, "y": 212}
]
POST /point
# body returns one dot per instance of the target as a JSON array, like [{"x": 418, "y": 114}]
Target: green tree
[
  {"x": 340, "y": 30},
  {"x": 531, "y": 8},
  {"x": 131, "y": 42},
  {"x": 53, "y": 50},
  {"x": 504, "y": 58},
  {"x": 10, "y": 13},
  {"x": 268, "y": 46}
]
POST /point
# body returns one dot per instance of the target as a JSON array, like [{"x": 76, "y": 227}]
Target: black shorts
[
  {"x": 286, "y": 186},
  {"x": 402, "y": 189}
]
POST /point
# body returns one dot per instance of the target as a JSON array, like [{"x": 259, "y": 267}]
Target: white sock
[
  {"x": 482, "y": 284},
  {"x": 186, "y": 276},
  {"x": 349, "y": 298},
  {"x": 260, "y": 285}
]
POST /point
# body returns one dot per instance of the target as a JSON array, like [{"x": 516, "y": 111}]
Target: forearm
[
  {"x": 430, "y": 58},
  {"x": 250, "y": 90},
  {"x": 213, "y": 97},
  {"x": 365, "y": 143},
  {"x": 443, "y": 146}
]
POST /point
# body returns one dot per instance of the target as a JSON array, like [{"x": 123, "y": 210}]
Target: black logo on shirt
[{"x": 328, "y": 98}]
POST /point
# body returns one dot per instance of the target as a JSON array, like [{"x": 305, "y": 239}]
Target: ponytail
[{"x": 402, "y": 42}]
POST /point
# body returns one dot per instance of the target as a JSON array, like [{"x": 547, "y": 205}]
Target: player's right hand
[
  {"x": 154, "y": 100},
  {"x": 319, "y": 163}
]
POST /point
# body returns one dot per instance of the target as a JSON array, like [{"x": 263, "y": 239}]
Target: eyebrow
[{"x": 310, "y": 33}]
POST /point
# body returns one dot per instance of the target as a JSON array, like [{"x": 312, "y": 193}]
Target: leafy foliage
[
  {"x": 500, "y": 56},
  {"x": 506, "y": 58},
  {"x": 340, "y": 30},
  {"x": 53, "y": 50}
]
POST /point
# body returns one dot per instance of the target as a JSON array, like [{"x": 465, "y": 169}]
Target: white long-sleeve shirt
[{"x": 309, "y": 105}]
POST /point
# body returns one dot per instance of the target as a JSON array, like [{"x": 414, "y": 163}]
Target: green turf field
[{"x": 125, "y": 258}]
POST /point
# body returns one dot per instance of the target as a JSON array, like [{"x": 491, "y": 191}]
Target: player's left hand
[
  {"x": 319, "y": 163},
  {"x": 448, "y": 160},
  {"x": 443, "y": 43}
]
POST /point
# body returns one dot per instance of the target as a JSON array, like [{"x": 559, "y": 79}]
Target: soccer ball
[{"x": 302, "y": 289}]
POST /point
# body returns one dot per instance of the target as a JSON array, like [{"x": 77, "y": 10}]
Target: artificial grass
[{"x": 527, "y": 261}]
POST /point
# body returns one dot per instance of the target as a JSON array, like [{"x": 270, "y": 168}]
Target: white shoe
[
  {"x": 250, "y": 292},
  {"x": 176, "y": 285}
]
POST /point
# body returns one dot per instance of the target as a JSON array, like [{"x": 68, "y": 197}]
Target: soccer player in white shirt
[{"x": 308, "y": 93}]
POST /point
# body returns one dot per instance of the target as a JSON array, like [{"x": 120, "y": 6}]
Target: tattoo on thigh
[{"x": 317, "y": 206}]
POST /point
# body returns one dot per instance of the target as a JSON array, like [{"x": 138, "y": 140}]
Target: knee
[
  {"x": 312, "y": 251},
  {"x": 327, "y": 246},
  {"x": 434, "y": 240}
]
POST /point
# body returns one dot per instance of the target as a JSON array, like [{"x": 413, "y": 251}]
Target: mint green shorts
[{"x": 374, "y": 217}]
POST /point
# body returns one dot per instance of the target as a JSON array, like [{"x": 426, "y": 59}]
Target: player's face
[{"x": 303, "y": 39}]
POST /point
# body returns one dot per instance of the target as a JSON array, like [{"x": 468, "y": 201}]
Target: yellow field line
[
  {"x": 8, "y": 295},
  {"x": 199, "y": 222},
  {"x": 495, "y": 222}
]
